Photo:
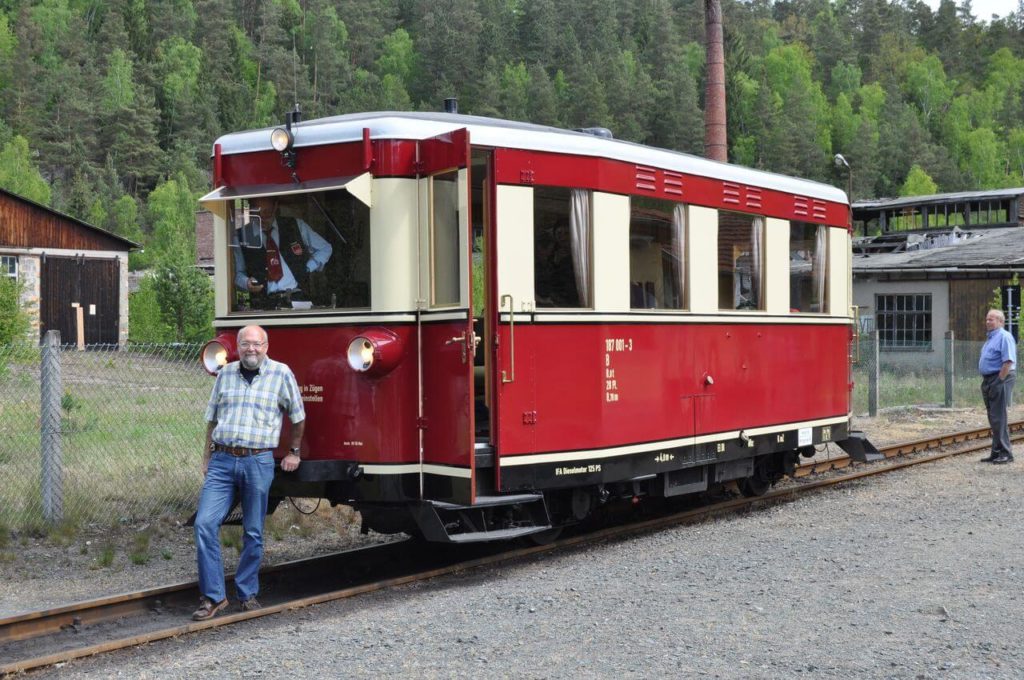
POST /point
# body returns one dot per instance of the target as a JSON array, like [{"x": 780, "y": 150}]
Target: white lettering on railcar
[
  {"x": 611, "y": 383},
  {"x": 577, "y": 470},
  {"x": 311, "y": 393}
]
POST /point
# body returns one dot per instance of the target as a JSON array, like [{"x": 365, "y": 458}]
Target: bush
[
  {"x": 145, "y": 324},
  {"x": 14, "y": 322}
]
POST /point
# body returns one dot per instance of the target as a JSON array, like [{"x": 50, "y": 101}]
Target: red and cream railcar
[{"x": 517, "y": 322}]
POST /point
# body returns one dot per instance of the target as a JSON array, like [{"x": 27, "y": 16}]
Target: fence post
[
  {"x": 873, "y": 375},
  {"x": 49, "y": 428},
  {"x": 950, "y": 370}
]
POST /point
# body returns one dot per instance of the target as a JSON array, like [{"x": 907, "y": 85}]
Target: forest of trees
[{"x": 109, "y": 108}]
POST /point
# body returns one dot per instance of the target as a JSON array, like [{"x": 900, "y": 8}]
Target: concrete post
[
  {"x": 873, "y": 374},
  {"x": 52, "y": 484},
  {"x": 950, "y": 370}
]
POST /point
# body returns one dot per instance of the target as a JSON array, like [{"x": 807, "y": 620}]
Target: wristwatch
[{"x": 294, "y": 452}]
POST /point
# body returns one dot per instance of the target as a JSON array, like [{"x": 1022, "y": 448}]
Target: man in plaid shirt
[{"x": 243, "y": 428}]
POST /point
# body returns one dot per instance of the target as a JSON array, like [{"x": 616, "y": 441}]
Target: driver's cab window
[{"x": 300, "y": 252}]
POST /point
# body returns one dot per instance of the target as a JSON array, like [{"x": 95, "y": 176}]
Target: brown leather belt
[{"x": 238, "y": 451}]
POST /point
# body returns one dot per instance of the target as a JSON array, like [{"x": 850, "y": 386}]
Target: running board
[
  {"x": 490, "y": 518},
  {"x": 858, "y": 448}
]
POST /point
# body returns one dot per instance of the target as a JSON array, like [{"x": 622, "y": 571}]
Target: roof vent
[
  {"x": 597, "y": 132},
  {"x": 451, "y": 105}
]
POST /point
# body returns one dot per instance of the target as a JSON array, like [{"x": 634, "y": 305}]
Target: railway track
[{"x": 44, "y": 638}]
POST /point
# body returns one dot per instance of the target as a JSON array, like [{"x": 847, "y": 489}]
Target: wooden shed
[{"x": 64, "y": 264}]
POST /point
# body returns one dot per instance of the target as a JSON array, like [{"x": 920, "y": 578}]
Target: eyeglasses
[{"x": 250, "y": 345}]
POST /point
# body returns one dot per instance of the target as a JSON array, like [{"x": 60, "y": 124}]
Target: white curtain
[
  {"x": 679, "y": 249},
  {"x": 819, "y": 267},
  {"x": 579, "y": 231},
  {"x": 756, "y": 261}
]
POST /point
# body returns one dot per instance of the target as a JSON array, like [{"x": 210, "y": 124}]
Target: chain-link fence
[
  {"x": 114, "y": 434},
  {"x": 944, "y": 375},
  {"x": 103, "y": 435}
]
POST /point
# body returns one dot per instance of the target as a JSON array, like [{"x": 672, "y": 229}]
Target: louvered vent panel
[
  {"x": 800, "y": 206},
  {"x": 673, "y": 183},
  {"x": 753, "y": 197},
  {"x": 819, "y": 210},
  {"x": 646, "y": 178},
  {"x": 731, "y": 193}
]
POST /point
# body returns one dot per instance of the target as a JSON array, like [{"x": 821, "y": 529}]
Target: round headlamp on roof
[{"x": 281, "y": 139}]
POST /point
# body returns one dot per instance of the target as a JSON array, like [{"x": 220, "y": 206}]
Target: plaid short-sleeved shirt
[{"x": 249, "y": 415}]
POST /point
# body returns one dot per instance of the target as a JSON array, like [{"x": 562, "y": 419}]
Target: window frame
[
  {"x": 897, "y": 310},
  {"x": 8, "y": 271}
]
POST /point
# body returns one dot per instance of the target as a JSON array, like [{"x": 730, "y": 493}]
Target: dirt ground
[{"x": 94, "y": 561}]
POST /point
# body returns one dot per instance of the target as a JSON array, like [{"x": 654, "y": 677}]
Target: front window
[
  {"x": 904, "y": 322},
  {"x": 808, "y": 265},
  {"x": 657, "y": 254},
  {"x": 740, "y": 261},
  {"x": 301, "y": 251}
]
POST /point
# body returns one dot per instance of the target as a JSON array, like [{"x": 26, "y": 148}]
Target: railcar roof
[{"x": 495, "y": 132}]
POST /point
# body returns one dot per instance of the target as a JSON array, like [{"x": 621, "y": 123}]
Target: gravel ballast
[{"x": 914, "y": 574}]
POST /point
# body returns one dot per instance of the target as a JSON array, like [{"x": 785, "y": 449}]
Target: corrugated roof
[
  {"x": 990, "y": 249},
  {"x": 937, "y": 198}
]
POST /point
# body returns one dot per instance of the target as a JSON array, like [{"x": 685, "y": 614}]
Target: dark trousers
[{"x": 998, "y": 395}]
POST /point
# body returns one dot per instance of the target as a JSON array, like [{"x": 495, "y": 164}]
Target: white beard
[{"x": 251, "y": 362}]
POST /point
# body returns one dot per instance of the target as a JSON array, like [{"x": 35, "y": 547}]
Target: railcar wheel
[
  {"x": 544, "y": 537},
  {"x": 758, "y": 483}
]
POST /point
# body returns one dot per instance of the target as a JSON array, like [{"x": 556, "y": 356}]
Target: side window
[
  {"x": 9, "y": 266},
  {"x": 808, "y": 267},
  {"x": 657, "y": 254},
  {"x": 562, "y": 251},
  {"x": 299, "y": 252},
  {"x": 444, "y": 239},
  {"x": 740, "y": 261}
]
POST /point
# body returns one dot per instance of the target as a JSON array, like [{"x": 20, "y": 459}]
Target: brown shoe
[
  {"x": 208, "y": 608},
  {"x": 252, "y": 604}
]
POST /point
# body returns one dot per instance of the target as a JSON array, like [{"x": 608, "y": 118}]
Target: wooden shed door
[{"x": 93, "y": 284}]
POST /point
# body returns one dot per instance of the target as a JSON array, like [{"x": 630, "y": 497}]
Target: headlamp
[
  {"x": 281, "y": 139},
  {"x": 376, "y": 352},
  {"x": 218, "y": 352}
]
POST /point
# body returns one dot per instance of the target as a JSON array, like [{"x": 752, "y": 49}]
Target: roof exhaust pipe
[{"x": 451, "y": 105}]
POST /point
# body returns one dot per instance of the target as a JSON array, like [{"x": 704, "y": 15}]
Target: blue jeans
[{"x": 227, "y": 475}]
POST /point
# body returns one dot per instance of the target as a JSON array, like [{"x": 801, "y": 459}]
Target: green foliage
[
  {"x": 145, "y": 322},
  {"x": 14, "y": 322},
  {"x": 104, "y": 100},
  {"x": 918, "y": 183},
  {"x": 18, "y": 173},
  {"x": 185, "y": 298}
]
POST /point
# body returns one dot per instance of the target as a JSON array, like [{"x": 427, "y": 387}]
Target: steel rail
[
  {"x": 905, "y": 449},
  {"x": 51, "y": 636}
]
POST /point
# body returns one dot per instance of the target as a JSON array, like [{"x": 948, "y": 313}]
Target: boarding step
[
  {"x": 484, "y": 454},
  {"x": 858, "y": 448},
  {"x": 489, "y": 518}
]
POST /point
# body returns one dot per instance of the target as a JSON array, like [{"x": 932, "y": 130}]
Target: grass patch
[
  {"x": 139, "y": 551},
  {"x": 166, "y": 554},
  {"x": 231, "y": 537},
  {"x": 106, "y": 556},
  {"x": 7, "y": 557}
]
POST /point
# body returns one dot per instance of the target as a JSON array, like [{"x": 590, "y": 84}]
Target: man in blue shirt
[
  {"x": 997, "y": 367},
  {"x": 243, "y": 428}
]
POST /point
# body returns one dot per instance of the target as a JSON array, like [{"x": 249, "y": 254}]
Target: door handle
[
  {"x": 511, "y": 375},
  {"x": 462, "y": 347}
]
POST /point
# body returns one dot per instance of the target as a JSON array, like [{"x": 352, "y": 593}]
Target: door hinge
[{"x": 421, "y": 423}]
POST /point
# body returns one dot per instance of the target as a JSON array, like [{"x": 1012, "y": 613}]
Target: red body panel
[{"x": 572, "y": 393}]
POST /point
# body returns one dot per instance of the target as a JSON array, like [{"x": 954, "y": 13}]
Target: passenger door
[{"x": 445, "y": 338}]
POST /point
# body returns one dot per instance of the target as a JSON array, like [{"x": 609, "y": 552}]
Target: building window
[
  {"x": 740, "y": 261},
  {"x": 561, "y": 247},
  {"x": 904, "y": 322},
  {"x": 9, "y": 266},
  {"x": 808, "y": 268},
  {"x": 657, "y": 254}
]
